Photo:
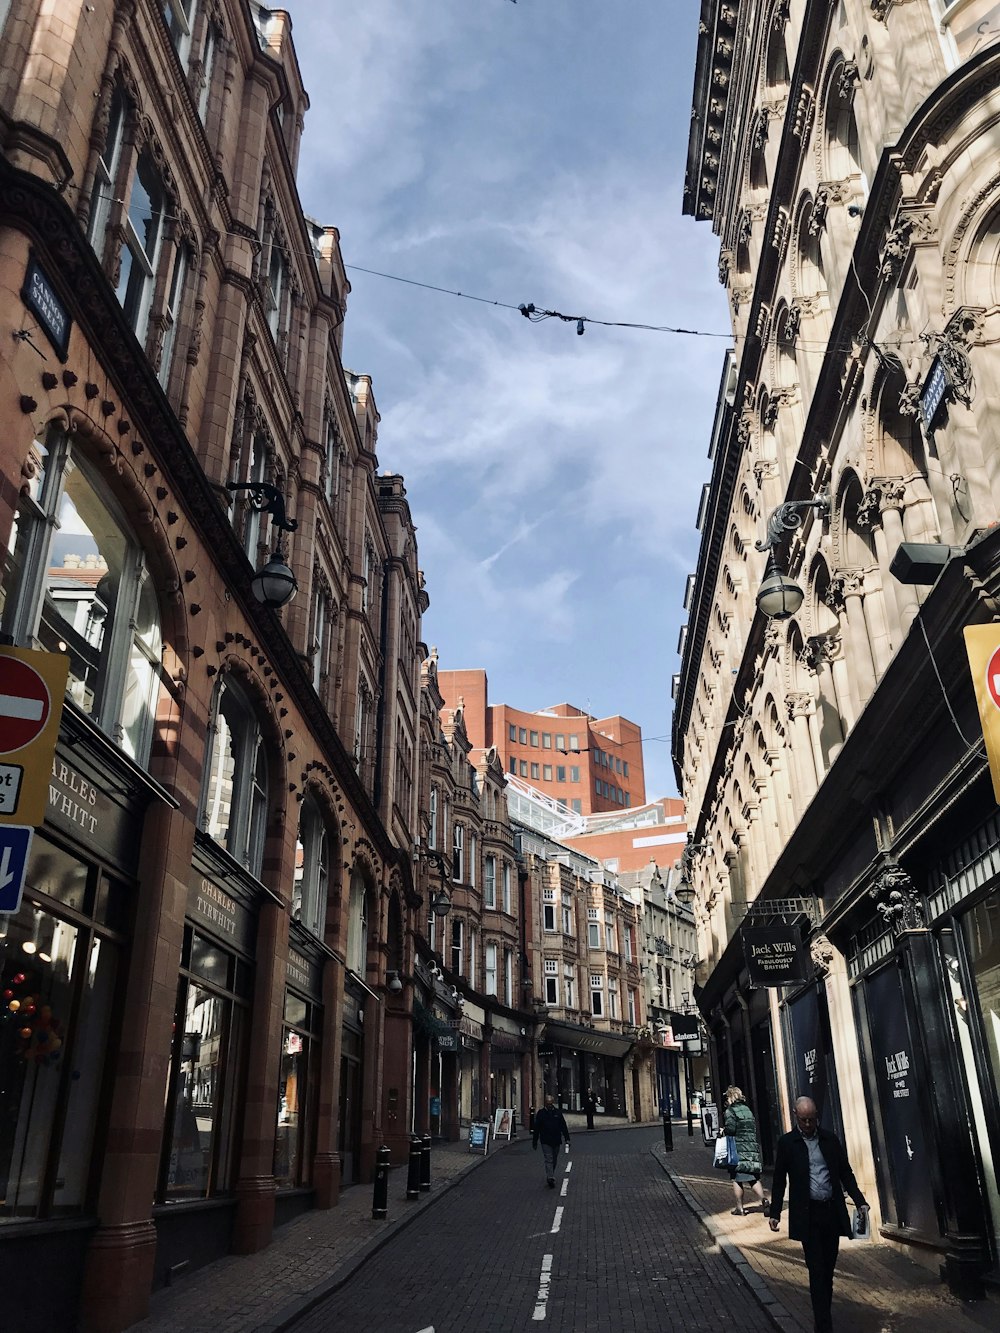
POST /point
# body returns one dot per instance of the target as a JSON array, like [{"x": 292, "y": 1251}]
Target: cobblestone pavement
[
  {"x": 628, "y": 1253},
  {"x": 876, "y": 1289}
]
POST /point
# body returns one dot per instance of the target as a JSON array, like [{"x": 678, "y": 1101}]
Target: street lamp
[
  {"x": 440, "y": 899},
  {"x": 684, "y": 892},
  {"x": 275, "y": 584},
  {"x": 779, "y": 596}
]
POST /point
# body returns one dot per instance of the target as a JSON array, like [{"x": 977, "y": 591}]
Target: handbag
[
  {"x": 732, "y": 1154},
  {"x": 721, "y": 1162}
]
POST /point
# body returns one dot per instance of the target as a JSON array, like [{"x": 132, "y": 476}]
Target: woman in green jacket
[{"x": 739, "y": 1122}]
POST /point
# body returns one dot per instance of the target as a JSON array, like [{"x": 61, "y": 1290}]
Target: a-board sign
[
  {"x": 503, "y": 1122},
  {"x": 479, "y": 1136}
]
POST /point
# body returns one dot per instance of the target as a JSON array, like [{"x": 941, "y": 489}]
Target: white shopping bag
[{"x": 861, "y": 1225}]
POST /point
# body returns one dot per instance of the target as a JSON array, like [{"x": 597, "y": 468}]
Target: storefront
[
  {"x": 352, "y": 1060},
  {"x": 206, "y": 1081},
  {"x": 63, "y": 962},
  {"x": 809, "y": 1059},
  {"x": 470, "y": 1031},
  {"x": 584, "y": 1061},
  {"x": 298, "y": 1076}
]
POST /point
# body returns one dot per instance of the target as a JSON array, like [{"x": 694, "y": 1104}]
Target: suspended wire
[{"x": 536, "y": 314}]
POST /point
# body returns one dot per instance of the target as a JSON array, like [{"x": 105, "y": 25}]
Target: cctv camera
[{"x": 854, "y": 210}]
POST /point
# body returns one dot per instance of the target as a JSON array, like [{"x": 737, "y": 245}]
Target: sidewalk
[
  {"x": 876, "y": 1288},
  {"x": 307, "y": 1260}
]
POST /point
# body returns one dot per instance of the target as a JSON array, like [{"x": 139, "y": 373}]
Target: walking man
[
  {"x": 591, "y": 1107},
  {"x": 551, "y": 1128},
  {"x": 814, "y": 1164}
]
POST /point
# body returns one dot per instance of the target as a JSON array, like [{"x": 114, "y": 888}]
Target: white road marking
[
  {"x": 12, "y": 705},
  {"x": 544, "y": 1281},
  {"x": 557, "y": 1221},
  {"x": 569, "y": 1167},
  {"x": 565, "y": 1187}
]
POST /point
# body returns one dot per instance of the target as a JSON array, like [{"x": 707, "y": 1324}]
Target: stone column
[
  {"x": 800, "y": 707},
  {"x": 893, "y": 504},
  {"x": 858, "y": 645}
]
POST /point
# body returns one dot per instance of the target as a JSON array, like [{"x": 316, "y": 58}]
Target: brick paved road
[{"x": 629, "y": 1253}]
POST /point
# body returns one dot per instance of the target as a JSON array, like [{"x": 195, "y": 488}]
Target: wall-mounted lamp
[
  {"x": 440, "y": 899},
  {"x": 275, "y": 584},
  {"x": 779, "y": 596},
  {"x": 684, "y": 893},
  {"x": 395, "y": 983}
]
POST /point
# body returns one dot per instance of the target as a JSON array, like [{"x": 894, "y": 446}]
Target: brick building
[
  {"x": 194, "y": 1043},
  {"x": 585, "y": 764}
]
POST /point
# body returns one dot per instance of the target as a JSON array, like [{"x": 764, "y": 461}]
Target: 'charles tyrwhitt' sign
[{"x": 774, "y": 955}]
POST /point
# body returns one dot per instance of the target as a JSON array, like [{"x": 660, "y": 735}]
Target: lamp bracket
[
  {"x": 268, "y": 499},
  {"x": 788, "y": 516}
]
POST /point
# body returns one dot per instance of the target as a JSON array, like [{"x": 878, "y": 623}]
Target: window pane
[
  {"x": 36, "y": 981},
  {"x": 198, "y": 1050},
  {"x": 92, "y": 1026},
  {"x": 54, "y": 872},
  {"x": 289, "y": 1163}
]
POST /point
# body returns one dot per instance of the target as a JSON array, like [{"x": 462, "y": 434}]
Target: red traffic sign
[{"x": 25, "y": 704}]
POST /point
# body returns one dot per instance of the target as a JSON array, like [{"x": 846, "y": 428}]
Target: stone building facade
[
  {"x": 198, "y": 1039},
  {"x": 831, "y": 760}
]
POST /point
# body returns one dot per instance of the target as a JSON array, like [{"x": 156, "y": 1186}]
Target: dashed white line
[
  {"x": 544, "y": 1280},
  {"x": 569, "y": 1167},
  {"x": 557, "y": 1221},
  {"x": 565, "y": 1187}
]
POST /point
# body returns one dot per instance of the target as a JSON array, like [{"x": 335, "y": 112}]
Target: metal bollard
[
  {"x": 413, "y": 1169},
  {"x": 425, "y": 1164},
  {"x": 513, "y": 1125},
  {"x": 380, "y": 1194},
  {"x": 668, "y": 1132},
  {"x": 531, "y": 1118}
]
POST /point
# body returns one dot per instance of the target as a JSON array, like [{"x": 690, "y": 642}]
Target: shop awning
[{"x": 586, "y": 1039}]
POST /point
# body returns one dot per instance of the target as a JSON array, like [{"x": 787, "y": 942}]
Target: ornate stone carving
[
  {"x": 769, "y": 414},
  {"x": 822, "y": 953},
  {"x": 834, "y": 595},
  {"x": 896, "y": 248},
  {"x": 744, "y": 229},
  {"x": 760, "y": 131},
  {"x": 793, "y": 321},
  {"x": 880, "y": 9},
  {"x": 743, "y": 431},
  {"x": 725, "y": 266},
  {"x": 909, "y": 400},
  {"x": 803, "y": 115},
  {"x": 870, "y": 509},
  {"x": 799, "y": 704},
  {"x": 901, "y": 907},
  {"x": 741, "y": 296},
  {"x": 817, "y": 217},
  {"x": 848, "y": 78},
  {"x": 780, "y": 16}
]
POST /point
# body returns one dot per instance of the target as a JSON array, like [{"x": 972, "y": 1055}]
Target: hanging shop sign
[
  {"x": 774, "y": 955},
  {"x": 685, "y": 1027},
  {"x": 932, "y": 395}
]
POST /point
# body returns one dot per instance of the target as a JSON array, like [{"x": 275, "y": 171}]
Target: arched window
[
  {"x": 312, "y": 868},
  {"x": 358, "y": 922},
  {"x": 234, "y": 806},
  {"x": 97, "y": 605}
]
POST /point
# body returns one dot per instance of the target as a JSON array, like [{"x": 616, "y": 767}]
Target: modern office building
[
  {"x": 585, "y": 764},
  {"x": 827, "y": 740}
]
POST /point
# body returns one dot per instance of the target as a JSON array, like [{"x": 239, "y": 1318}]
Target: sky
[{"x": 528, "y": 152}]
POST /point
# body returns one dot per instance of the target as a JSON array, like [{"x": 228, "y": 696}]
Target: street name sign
[
  {"x": 32, "y": 686},
  {"x": 15, "y": 844}
]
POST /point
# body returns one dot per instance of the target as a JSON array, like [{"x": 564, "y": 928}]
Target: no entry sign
[
  {"x": 24, "y": 704},
  {"x": 32, "y": 686}
]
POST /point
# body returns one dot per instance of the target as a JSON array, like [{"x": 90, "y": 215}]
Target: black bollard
[
  {"x": 380, "y": 1194},
  {"x": 425, "y": 1164},
  {"x": 513, "y": 1124},
  {"x": 668, "y": 1132},
  {"x": 531, "y": 1119},
  {"x": 413, "y": 1170}
]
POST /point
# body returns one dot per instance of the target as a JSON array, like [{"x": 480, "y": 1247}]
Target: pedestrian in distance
[
  {"x": 813, "y": 1162},
  {"x": 738, "y": 1121},
  {"x": 551, "y": 1128},
  {"x": 591, "y": 1109}
]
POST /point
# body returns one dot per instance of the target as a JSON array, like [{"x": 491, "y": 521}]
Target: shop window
[
  {"x": 234, "y": 805},
  {"x": 206, "y": 1074},
  {"x": 98, "y": 606},
  {"x": 294, "y": 1132},
  {"x": 58, "y": 978},
  {"x": 312, "y": 869}
]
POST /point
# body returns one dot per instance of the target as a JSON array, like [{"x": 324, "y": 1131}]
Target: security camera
[{"x": 855, "y": 210}]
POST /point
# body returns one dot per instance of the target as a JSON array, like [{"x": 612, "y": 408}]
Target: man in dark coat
[
  {"x": 591, "y": 1108},
  {"x": 814, "y": 1164},
  {"x": 550, "y": 1126}
]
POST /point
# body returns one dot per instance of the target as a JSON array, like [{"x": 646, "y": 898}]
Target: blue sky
[{"x": 529, "y": 152}]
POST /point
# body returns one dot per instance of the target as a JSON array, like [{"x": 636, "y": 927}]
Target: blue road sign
[{"x": 15, "y": 844}]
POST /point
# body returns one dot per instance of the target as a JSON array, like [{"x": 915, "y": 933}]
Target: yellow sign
[
  {"x": 982, "y": 643},
  {"x": 32, "y": 688}
]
